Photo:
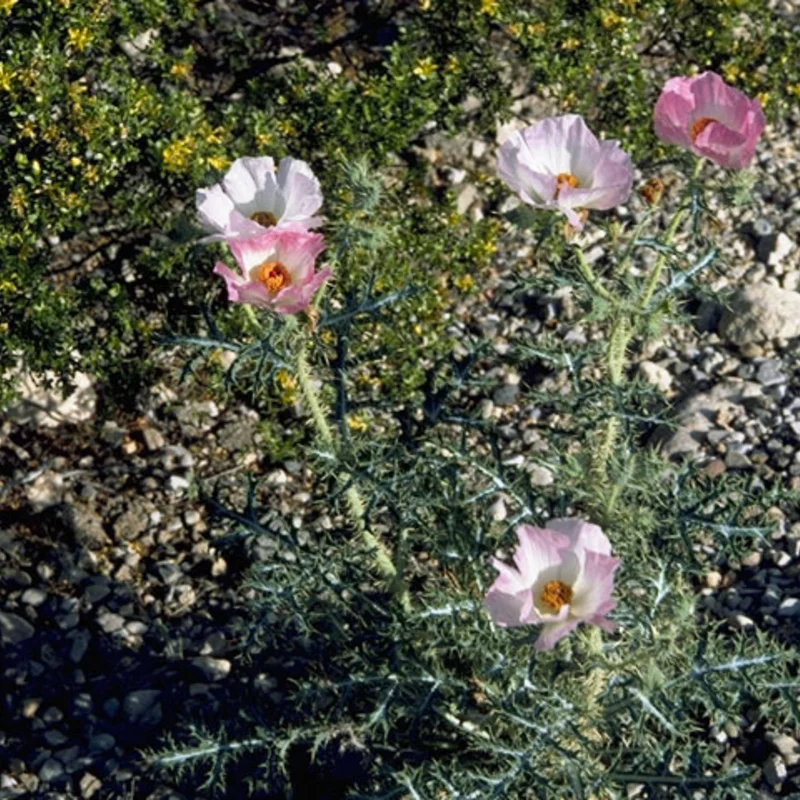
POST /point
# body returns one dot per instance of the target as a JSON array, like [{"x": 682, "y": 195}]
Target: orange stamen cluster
[
  {"x": 273, "y": 275},
  {"x": 565, "y": 180},
  {"x": 556, "y": 594},
  {"x": 698, "y": 126},
  {"x": 264, "y": 218}
]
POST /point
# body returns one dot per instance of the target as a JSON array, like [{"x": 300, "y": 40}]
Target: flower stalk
[{"x": 380, "y": 553}]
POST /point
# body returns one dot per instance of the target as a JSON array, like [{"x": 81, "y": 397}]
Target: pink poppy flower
[
  {"x": 710, "y": 118},
  {"x": 253, "y": 197},
  {"x": 558, "y": 163},
  {"x": 564, "y": 576},
  {"x": 277, "y": 270}
]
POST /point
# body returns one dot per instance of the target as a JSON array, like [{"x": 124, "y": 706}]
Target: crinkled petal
[
  {"x": 301, "y": 192},
  {"x": 594, "y": 587},
  {"x": 671, "y": 114},
  {"x": 250, "y": 252},
  {"x": 240, "y": 184},
  {"x": 539, "y": 550},
  {"x": 297, "y": 250},
  {"x": 505, "y": 608},
  {"x": 582, "y": 534},
  {"x": 552, "y": 632},
  {"x": 298, "y": 297},
  {"x": 214, "y": 208},
  {"x": 242, "y": 291}
]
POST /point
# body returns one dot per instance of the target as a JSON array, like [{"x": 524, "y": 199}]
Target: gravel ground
[{"x": 118, "y": 612}]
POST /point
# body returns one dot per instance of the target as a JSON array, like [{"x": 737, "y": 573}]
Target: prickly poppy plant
[
  {"x": 254, "y": 196},
  {"x": 558, "y": 163},
  {"x": 564, "y": 575},
  {"x": 710, "y": 118}
]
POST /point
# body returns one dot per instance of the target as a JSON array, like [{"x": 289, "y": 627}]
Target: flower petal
[
  {"x": 582, "y": 534},
  {"x": 552, "y": 632},
  {"x": 592, "y": 591}
]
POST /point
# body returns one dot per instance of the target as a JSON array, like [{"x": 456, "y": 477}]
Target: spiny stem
[
  {"x": 655, "y": 276},
  {"x": 591, "y": 279},
  {"x": 381, "y": 555}
]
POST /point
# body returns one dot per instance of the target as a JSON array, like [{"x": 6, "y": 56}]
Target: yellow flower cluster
[
  {"x": 7, "y": 5},
  {"x": 177, "y": 155},
  {"x": 79, "y": 38},
  {"x": 425, "y": 68},
  {"x": 490, "y": 7}
]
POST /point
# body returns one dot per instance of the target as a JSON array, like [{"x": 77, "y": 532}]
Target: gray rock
[
  {"x": 775, "y": 770},
  {"x": 698, "y": 415},
  {"x": 34, "y": 597},
  {"x": 14, "y": 629},
  {"x": 142, "y": 707},
  {"x": 213, "y": 669},
  {"x": 110, "y": 622},
  {"x": 153, "y": 439},
  {"x": 790, "y": 607},
  {"x": 80, "y": 644},
  {"x": 760, "y": 312},
  {"x": 769, "y": 373},
  {"x": 541, "y": 476},
  {"x": 101, "y": 743},
  {"x": 132, "y": 523},
  {"x": 505, "y": 395},
  {"x": 51, "y": 770},
  {"x": 787, "y": 747}
]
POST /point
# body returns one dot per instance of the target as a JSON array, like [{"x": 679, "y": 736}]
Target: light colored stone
[
  {"x": 45, "y": 407},
  {"x": 787, "y": 747},
  {"x": 760, "y": 312},
  {"x": 541, "y": 476},
  {"x": 656, "y": 375},
  {"x": 14, "y": 629},
  {"x": 775, "y": 770},
  {"x": 213, "y": 669}
]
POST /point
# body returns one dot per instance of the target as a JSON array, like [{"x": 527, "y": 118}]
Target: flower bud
[{"x": 652, "y": 191}]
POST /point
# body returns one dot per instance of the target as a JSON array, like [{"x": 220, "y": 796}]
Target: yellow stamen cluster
[
  {"x": 264, "y": 218},
  {"x": 273, "y": 275},
  {"x": 564, "y": 180},
  {"x": 555, "y": 594},
  {"x": 699, "y": 126}
]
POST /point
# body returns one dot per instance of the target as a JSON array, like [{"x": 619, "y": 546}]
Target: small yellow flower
[
  {"x": 452, "y": 64},
  {"x": 465, "y": 282},
  {"x": 17, "y": 200},
  {"x": 7, "y": 5},
  {"x": 424, "y": 5},
  {"x": 181, "y": 70},
  {"x": 794, "y": 88},
  {"x": 8, "y": 287},
  {"x": 424, "y": 68},
  {"x": 490, "y": 7},
  {"x": 217, "y": 162},
  {"x": 286, "y": 128},
  {"x": 356, "y": 423},
  {"x": 79, "y": 38},
  {"x": 75, "y": 161},
  {"x": 570, "y": 44},
  {"x": 27, "y": 130},
  {"x": 287, "y": 383},
  {"x": 215, "y": 136},
  {"x": 6, "y": 75},
  {"x": 90, "y": 174},
  {"x": 763, "y": 98},
  {"x": 536, "y": 28},
  {"x": 263, "y": 139},
  {"x": 731, "y": 72},
  {"x": 610, "y": 19},
  {"x": 177, "y": 155}
]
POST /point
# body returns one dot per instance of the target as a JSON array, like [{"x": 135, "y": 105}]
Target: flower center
[
  {"x": 698, "y": 126},
  {"x": 556, "y": 594},
  {"x": 264, "y": 218},
  {"x": 564, "y": 180},
  {"x": 273, "y": 275}
]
